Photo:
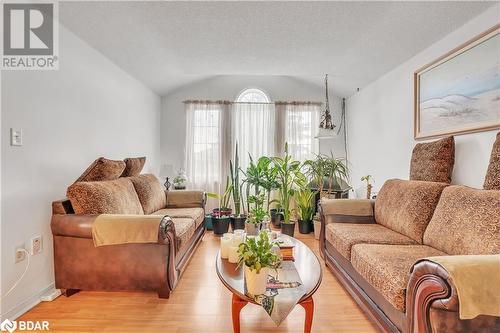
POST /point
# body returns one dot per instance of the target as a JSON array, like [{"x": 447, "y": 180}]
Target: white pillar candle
[
  {"x": 237, "y": 239},
  {"x": 225, "y": 243},
  {"x": 233, "y": 254}
]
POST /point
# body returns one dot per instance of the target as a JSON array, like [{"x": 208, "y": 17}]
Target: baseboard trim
[{"x": 27, "y": 304}]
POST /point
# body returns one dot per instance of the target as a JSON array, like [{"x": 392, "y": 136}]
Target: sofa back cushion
[
  {"x": 466, "y": 221},
  {"x": 433, "y": 161},
  {"x": 104, "y": 197},
  {"x": 151, "y": 193},
  {"x": 102, "y": 169},
  {"x": 133, "y": 166},
  {"x": 492, "y": 179},
  {"x": 406, "y": 206}
]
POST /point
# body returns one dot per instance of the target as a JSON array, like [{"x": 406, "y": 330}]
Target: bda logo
[{"x": 8, "y": 325}]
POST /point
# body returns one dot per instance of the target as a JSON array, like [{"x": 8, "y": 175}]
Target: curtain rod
[{"x": 190, "y": 101}]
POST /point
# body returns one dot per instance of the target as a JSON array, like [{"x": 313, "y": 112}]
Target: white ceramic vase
[{"x": 256, "y": 283}]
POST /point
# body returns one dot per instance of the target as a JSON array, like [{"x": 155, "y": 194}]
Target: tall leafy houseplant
[
  {"x": 220, "y": 215},
  {"x": 288, "y": 176},
  {"x": 238, "y": 219},
  {"x": 254, "y": 176},
  {"x": 336, "y": 171},
  {"x": 268, "y": 180}
]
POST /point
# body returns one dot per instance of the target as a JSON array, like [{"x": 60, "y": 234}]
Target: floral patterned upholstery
[
  {"x": 197, "y": 214},
  {"x": 387, "y": 267},
  {"x": 150, "y": 192},
  {"x": 466, "y": 221},
  {"x": 342, "y": 236},
  {"x": 184, "y": 230},
  {"x": 433, "y": 161},
  {"x": 492, "y": 179},
  {"x": 406, "y": 206}
]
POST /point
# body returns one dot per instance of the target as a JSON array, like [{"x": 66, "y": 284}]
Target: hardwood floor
[{"x": 200, "y": 303}]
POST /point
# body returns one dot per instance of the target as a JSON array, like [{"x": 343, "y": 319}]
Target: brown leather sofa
[
  {"x": 377, "y": 250},
  {"x": 79, "y": 265}
]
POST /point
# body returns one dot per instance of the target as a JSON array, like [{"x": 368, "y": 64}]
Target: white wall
[
  {"x": 227, "y": 87},
  {"x": 89, "y": 108},
  {"x": 380, "y": 120}
]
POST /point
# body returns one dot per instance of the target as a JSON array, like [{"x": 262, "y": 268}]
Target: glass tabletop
[{"x": 306, "y": 263}]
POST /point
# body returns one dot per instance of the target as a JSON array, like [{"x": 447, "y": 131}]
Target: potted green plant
[
  {"x": 220, "y": 215},
  {"x": 289, "y": 176},
  {"x": 254, "y": 175},
  {"x": 369, "y": 186},
  {"x": 180, "y": 180},
  {"x": 336, "y": 171},
  {"x": 257, "y": 214},
  {"x": 257, "y": 258},
  {"x": 237, "y": 219},
  {"x": 304, "y": 200}
]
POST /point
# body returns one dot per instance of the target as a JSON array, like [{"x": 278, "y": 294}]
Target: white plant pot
[{"x": 256, "y": 283}]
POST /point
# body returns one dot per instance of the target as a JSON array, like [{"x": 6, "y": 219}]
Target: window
[
  {"x": 301, "y": 125},
  {"x": 253, "y": 125}
]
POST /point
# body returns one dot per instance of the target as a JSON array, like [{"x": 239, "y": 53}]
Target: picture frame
[{"x": 459, "y": 92}]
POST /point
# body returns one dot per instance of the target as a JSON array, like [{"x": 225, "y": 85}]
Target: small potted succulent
[
  {"x": 305, "y": 209},
  {"x": 256, "y": 255},
  {"x": 180, "y": 180},
  {"x": 257, "y": 214}
]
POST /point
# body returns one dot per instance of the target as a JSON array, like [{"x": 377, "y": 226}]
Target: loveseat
[
  {"x": 378, "y": 251},
  {"x": 79, "y": 265}
]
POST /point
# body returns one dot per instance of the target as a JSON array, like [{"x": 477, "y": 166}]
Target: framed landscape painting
[{"x": 460, "y": 92}]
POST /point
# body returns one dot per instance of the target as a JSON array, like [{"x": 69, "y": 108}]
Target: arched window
[
  {"x": 253, "y": 95},
  {"x": 253, "y": 125}
]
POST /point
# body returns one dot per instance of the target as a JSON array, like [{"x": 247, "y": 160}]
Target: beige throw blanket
[
  {"x": 477, "y": 279},
  {"x": 112, "y": 229}
]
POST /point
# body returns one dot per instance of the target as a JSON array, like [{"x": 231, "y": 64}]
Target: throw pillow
[
  {"x": 102, "y": 169},
  {"x": 492, "y": 179},
  {"x": 433, "y": 161},
  {"x": 133, "y": 166}
]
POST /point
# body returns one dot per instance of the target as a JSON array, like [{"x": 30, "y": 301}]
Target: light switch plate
[{"x": 16, "y": 137}]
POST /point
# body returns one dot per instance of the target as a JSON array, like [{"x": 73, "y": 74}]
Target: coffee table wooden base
[{"x": 238, "y": 304}]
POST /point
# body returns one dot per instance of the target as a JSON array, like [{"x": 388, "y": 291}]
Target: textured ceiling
[{"x": 169, "y": 44}]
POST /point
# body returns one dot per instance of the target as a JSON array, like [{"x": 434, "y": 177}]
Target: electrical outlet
[
  {"x": 16, "y": 137},
  {"x": 19, "y": 253},
  {"x": 36, "y": 245}
]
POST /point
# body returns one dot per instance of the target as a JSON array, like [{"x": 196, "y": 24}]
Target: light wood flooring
[{"x": 200, "y": 304}]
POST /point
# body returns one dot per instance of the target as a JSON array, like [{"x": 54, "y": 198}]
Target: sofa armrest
[
  {"x": 186, "y": 199},
  {"x": 80, "y": 226},
  {"x": 429, "y": 285},
  {"x": 347, "y": 211}
]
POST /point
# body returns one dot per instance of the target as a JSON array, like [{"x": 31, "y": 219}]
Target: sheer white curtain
[
  {"x": 300, "y": 125},
  {"x": 207, "y": 144},
  {"x": 253, "y": 130}
]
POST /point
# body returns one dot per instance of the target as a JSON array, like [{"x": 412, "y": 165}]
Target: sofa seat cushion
[
  {"x": 342, "y": 236},
  {"x": 196, "y": 214},
  {"x": 151, "y": 193},
  {"x": 387, "y": 267},
  {"x": 466, "y": 221},
  {"x": 184, "y": 230},
  {"x": 104, "y": 197},
  {"x": 406, "y": 206}
]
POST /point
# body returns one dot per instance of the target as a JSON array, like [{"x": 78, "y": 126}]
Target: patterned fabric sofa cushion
[
  {"x": 387, "y": 267},
  {"x": 104, "y": 197},
  {"x": 342, "y": 236},
  {"x": 466, "y": 221},
  {"x": 406, "y": 206},
  {"x": 492, "y": 179},
  {"x": 133, "y": 166},
  {"x": 195, "y": 213},
  {"x": 151, "y": 193},
  {"x": 433, "y": 161},
  {"x": 102, "y": 169},
  {"x": 184, "y": 230}
]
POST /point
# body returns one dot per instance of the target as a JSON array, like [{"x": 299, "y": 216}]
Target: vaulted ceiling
[{"x": 169, "y": 44}]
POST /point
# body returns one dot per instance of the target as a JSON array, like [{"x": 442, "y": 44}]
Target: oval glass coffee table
[{"x": 307, "y": 265}]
